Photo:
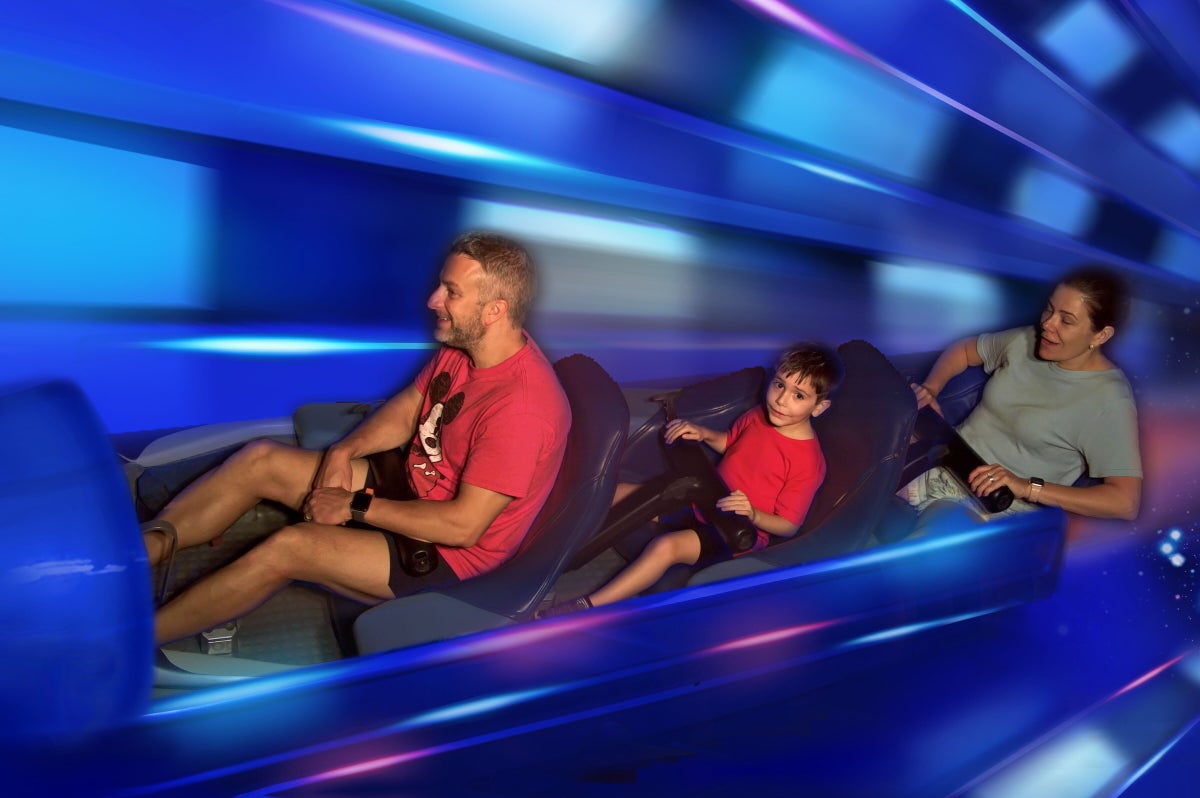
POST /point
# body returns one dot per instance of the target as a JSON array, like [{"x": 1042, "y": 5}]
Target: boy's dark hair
[{"x": 818, "y": 362}]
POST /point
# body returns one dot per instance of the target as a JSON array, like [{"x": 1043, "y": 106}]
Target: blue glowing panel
[
  {"x": 825, "y": 100},
  {"x": 1053, "y": 200},
  {"x": 602, "y": 266},
  {"x": 580, "y": 29},
  {"x": 1177, "y": 132},
  {"x": 907, "y": 293},
  {"x": 96, "y": 226},
  {"x": 1178, "y": 252},
  {"x": 1090, "y": 42}
]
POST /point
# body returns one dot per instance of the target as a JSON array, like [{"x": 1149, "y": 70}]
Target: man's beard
[{"x": 461, "y": 336}]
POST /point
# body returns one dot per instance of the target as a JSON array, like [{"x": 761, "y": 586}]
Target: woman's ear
[{"x": 1103, "y": 335}]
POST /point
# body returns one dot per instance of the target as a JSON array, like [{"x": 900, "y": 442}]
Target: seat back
[
  {"x": 864, "y": 436},
  {"x": 714, "y": 403},
  {"x": 582, "y": 493},
  {"x": 575, "y": 508}
]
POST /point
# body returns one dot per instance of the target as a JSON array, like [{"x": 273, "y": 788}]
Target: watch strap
[{"x": 1035, "y": 487}]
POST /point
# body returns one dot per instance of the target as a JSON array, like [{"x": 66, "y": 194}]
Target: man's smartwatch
[
  {"x": 1035, "y": 487},
  {"x": 359, "y": 504}
]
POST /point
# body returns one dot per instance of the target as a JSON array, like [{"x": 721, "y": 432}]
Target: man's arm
[
  {"x": 460, "y": 521},
  {"x": 954, "y": 361},
  {"x": 390, "y": 426}
]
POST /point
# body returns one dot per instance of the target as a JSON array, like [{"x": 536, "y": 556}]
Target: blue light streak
[
  {"x": 435, "y": 143},
  {"x": 281, "y": 346}
]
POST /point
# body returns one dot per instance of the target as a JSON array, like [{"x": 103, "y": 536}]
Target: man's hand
[
  {"x": 335, "y": 470},
  {"x": 328, "y": 506}
]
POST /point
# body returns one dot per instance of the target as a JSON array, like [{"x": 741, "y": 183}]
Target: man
[{"x": 486, "y": 422}]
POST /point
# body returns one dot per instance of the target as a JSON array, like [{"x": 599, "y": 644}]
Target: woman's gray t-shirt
[{"x": 1039, "y": 420}]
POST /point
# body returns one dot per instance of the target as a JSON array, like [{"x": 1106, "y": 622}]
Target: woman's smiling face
[{"x": 1066, "y": 336}]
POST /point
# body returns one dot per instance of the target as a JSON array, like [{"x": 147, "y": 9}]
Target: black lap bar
[{"x": 945, "y": 447}]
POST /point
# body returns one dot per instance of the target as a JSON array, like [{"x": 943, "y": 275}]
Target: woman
[{"x": 1054, "y": 406}]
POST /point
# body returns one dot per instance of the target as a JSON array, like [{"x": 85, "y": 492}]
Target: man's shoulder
[{"x": 533, "y": 385}]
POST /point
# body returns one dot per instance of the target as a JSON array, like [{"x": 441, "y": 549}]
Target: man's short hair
[
  {"x": 818, "y": 362},
  {"x": 507, "y": 268}
]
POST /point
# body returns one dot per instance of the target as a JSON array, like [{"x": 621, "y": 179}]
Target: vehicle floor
[{"x": 291, "y": 628}]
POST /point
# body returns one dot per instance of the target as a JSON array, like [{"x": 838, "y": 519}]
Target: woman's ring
[
  {"x": 991, "y": 477},
  {"x": 307, "y": 517}
]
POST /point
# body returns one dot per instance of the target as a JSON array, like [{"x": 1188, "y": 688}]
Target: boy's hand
[
  {"x": 737, "y": 503},
  {"x": 678, "y": 428}
]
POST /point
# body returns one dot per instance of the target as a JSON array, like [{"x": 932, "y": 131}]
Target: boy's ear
[{"x": 821, "y": 407}]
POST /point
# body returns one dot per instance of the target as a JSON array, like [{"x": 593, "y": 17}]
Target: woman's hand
[
  {"x": 737, "y": 503},
  {"x": 926, "y": 397},
  {"x": 987, "y": 479},
  {"x": 328, "y": 506}
]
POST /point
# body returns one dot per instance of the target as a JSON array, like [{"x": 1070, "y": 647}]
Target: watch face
[
  {"x": 360, "y": 501},
  {"x": 1041, "y": 483}
]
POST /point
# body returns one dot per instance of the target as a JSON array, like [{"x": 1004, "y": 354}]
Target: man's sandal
[{"x": 167, "y": 530}]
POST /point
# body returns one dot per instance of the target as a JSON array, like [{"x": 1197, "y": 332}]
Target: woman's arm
[
  {"x": 956, "y": 359},
  {"x": 1116, "y": 497}
]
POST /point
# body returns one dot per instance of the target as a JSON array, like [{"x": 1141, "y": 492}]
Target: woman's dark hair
[{"x": 1104, "y": 294}]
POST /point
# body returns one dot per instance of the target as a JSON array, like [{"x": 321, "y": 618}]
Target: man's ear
[
  {"x": 821, "y": 407},
  {"x": 494, "y": 310}
]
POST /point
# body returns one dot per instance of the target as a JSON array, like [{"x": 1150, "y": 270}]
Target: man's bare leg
[
  {"x": 352, "y": 562},
  {"x": 259, "y": 470},
  {"x": 673, "y": 548}
]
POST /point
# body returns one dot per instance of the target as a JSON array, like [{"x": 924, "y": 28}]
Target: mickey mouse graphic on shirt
[{"x": 442, "y": 411}]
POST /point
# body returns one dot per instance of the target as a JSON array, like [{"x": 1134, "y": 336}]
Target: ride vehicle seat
[
  {"x": 864, "y": 435},
  {"x": 577, "y": 505}
]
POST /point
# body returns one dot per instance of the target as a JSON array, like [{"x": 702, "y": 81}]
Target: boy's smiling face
[{"x": 791, "y": 402}]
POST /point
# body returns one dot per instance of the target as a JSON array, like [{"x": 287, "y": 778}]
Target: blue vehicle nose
[{"x": 76, "y": 637}]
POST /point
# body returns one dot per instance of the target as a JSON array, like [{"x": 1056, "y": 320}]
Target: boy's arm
[
  {"x": 737, "y": 502},
  {"x": 678, "y": 429}
]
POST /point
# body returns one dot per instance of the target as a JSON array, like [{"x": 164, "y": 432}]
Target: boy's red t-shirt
[{"x": 778, "y": 474}]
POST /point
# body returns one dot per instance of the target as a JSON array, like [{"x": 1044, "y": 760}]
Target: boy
[{"x": 772, "y": 463}]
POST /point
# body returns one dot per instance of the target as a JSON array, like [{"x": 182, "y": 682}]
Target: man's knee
[
  {"x": 275, "y": 470},
  {"x": 285, "y": 553},
  {"x": 257, "y": 455}
]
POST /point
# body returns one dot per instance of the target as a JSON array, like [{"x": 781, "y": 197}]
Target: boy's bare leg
[
  {"x": 623, "y": 490},
  {"x": 673, "y": 548},
  {"x": 352, "y": 562}
]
